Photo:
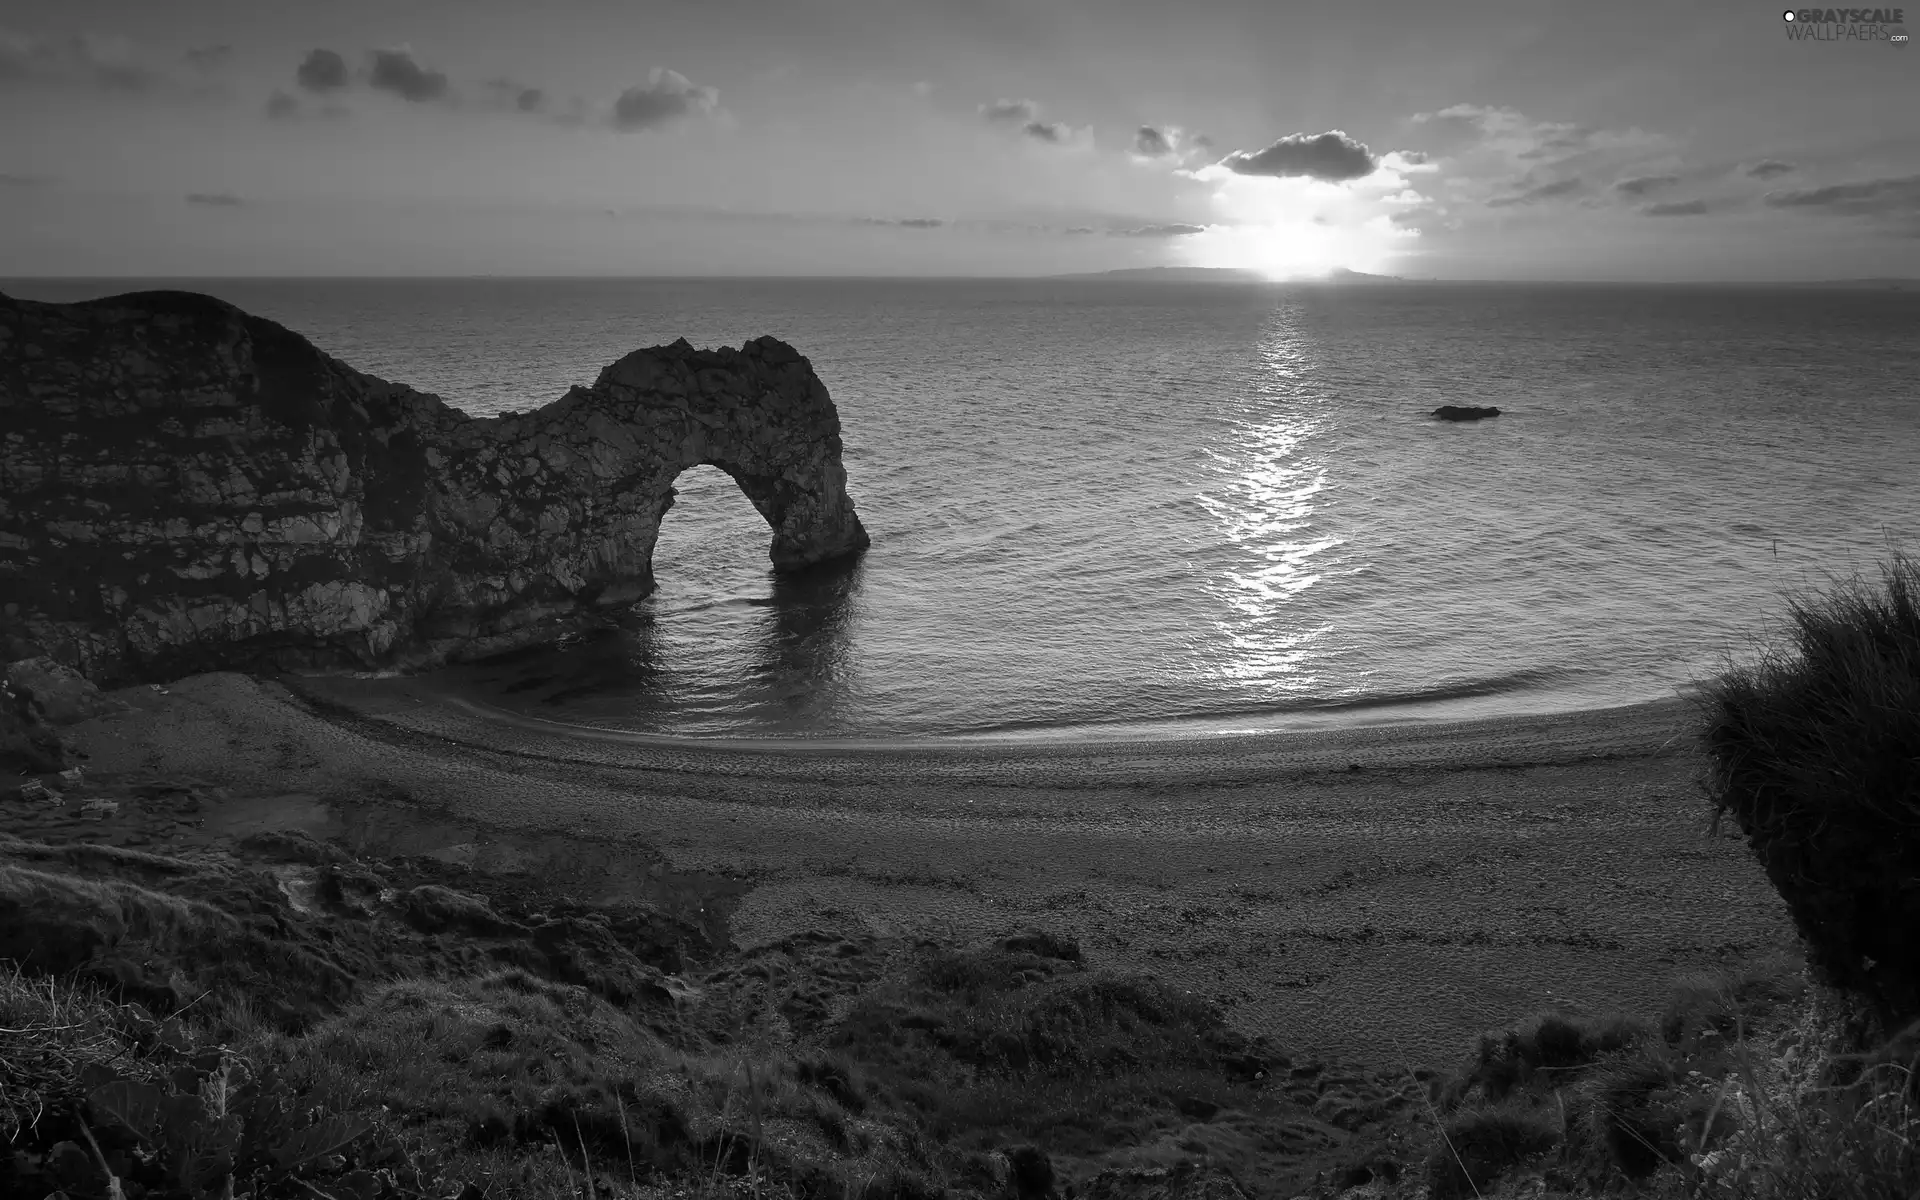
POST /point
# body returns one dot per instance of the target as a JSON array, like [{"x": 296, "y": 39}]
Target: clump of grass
[
  {"x": 1815, "y": 752},
  {"x": 52, "y": 1033},
  {"x": 1478, "y": 1144},
  {"x": 1799, "y": 1139},
  {"x": 1549, "y": 1048}
]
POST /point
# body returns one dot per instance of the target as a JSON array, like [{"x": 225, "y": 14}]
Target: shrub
[{"x": 1815, "y": 751}]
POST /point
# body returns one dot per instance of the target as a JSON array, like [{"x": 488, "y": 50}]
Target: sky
[{"x": 1481, "y": 139}]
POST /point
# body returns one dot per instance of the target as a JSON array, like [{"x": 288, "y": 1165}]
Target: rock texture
[
  {"x": 1464, "y": 412},
  {"x": 186, "y": 487}
]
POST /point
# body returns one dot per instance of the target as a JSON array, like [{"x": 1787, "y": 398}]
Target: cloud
[
  {"x": 1678, "y": 208},
  {"x": 518, "y": 96},
  {"x": 1051, "y": 132},
  {"x": 209, "y": 58},
  {"x": 1640, "y": 185},
  {"x": 1024, "y": 115},
  {"x": 8, "y": 179},
  {"x": 1149, "y": 142},
  {"x": 397, "y": 71},
  {"x": 1201, "y": 141},
  {"x": 1421, "y": 219},
  {"x": 281, "y": 106},
  {"x": 1898, "y": 196},
  {"x": 667, "y": 97},
  {"x": 1768, "y": 168},
  {"x": 75, "y": 60},
  {"x": 1484, "y": 136},
  {"x": 902, "y": 222},
  {"x": 1546, "y": 191},
  {"x": 1170, "y": 229},
  {"x": 1010, "y": 112},
  {"x": 1332, "y": 157},
  {"x": 215, "y": 199},
  {"x": 322, "y": 71}
]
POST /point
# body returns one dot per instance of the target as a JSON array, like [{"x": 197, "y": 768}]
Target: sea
[{"x": 1127, "y": 510}]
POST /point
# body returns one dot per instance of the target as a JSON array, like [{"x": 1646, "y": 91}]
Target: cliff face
[{"x": 185, "y": 487}]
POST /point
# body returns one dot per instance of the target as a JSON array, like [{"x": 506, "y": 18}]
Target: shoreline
[
  {"x": 1348, "y": 893},
  {"x": 1172, "y": 730}
]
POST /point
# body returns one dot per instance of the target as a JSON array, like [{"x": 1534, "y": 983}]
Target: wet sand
[{"x": 1372, "y": 894}]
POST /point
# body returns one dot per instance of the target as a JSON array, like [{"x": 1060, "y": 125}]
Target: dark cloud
[
  {"x": 1546, "y": 191},
  {"x": 667, "y": 96},
  {"x": 1151, "y": 143},
  {"x": 1898, "y": 196},
  {"x": 215, "y": 199},
  {"x": 209, "y": 58},
  {"x": 8, "y": 179},
  {"x": 1413, "y": 158},
  {"x": 1051, "y": 132},
  {"x": 1677, "y": 208},
  {"x": 1768, "y": 168},
  {"x": 1330, "y": 156},
  {"x": 1642, "y": 184},
  {"x": 322, "y": 71},
  {"x": 281, "y": 106},
  {"x": 1200, "y": 141},
  {"x": 902, "y": 222},
  {"x": 1010, "y": 112},
  {"x": 1170, "y": 229},
  {"x": 397, "y": 71}
]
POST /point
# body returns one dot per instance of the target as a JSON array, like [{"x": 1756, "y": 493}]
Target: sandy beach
[{"x": 1376, "y": 892}]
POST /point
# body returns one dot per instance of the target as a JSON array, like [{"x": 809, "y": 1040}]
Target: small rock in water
[
  {"x": 1464, "y": 412},
  {"x": 33, "y": 791},
  {"x": 98, "y": 807},
  {"x": 72, "y": 776}
]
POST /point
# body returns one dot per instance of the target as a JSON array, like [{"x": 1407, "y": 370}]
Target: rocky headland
[{"x": 185, "y": 487}]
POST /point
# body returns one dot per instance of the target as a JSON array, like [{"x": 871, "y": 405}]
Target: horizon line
[{"x": 1076, "y": 276}]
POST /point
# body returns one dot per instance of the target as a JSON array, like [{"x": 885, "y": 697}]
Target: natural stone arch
[
  {"x": 188, "y": 487},
  {"x": 760, "y": 415}
]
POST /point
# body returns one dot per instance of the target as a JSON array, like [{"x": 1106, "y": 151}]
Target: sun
[
  {"x": 1296, "y": 229},
  {"x": 1290, "y": 250}
]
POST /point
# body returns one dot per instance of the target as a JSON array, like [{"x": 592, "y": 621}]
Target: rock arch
[{"x": 184, "y": 487}]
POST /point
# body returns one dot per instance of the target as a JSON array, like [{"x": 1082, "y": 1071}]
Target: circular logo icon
[{"x": 1787, "y": 16}]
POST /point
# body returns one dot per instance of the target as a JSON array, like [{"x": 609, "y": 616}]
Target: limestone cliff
[{"x": 184, "y": 486}]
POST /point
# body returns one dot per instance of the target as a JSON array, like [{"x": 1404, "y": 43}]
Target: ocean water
[{"x": 1115, "y": 510}]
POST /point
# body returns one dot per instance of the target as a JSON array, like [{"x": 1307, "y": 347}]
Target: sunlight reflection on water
[{"x": 1268, "y": 475}]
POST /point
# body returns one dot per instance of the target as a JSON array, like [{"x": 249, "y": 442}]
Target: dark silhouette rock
[
  {"x": 1457, "y": 412},
  {"x": 186, "y": 487}
]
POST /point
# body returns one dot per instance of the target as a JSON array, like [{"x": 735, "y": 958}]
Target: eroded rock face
[{"x": 186, "y": 487}]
